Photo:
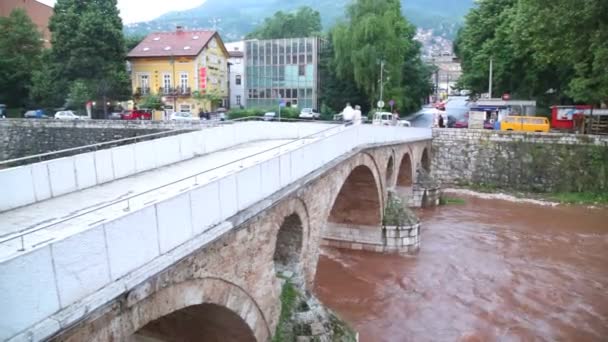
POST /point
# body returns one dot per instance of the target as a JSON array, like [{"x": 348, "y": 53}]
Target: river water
[{"x": 487, "y": 270}]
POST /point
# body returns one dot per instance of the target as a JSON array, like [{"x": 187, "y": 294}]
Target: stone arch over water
[
  {"x": 203, "y": 322},
  {"x": 390, "y": 167},
  {"x": 288, "y": 248},
  {"x": 358, "y": 202},
  {"x": 405, "y": 175},
  {"x": 188, "y": 311},
  {"x": 425, "y": 161}
]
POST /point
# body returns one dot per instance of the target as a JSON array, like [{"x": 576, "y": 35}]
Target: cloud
[{"x": 133, "y": 11}]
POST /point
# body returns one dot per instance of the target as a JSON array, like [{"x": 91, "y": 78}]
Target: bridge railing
[{"x": 192, "y": 180}]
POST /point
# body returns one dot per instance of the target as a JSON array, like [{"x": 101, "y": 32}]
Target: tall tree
[
  {"x": 305, "y": 22},
  {"x": 377, "y": 39},
  {"x": 89, "y": 46},
  {"x": 336, "y": 92},
  {"x": 20, "y": 52},
  {"x": 554, "y": 52}
]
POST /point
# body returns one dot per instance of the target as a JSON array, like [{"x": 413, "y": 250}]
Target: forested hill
[{"x": 236, "y": 18}]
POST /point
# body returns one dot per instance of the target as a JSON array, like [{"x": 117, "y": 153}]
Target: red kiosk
[{"x": 562, "y": 117}]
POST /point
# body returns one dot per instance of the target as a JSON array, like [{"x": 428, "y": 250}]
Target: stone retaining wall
[
  {"x": 24, "y": 137},
  {"x": 540, "y": 162}
]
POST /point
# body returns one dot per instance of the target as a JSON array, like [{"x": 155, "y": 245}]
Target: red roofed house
[{"x": 175, "y": 64}]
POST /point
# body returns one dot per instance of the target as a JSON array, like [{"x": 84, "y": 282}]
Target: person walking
[
  {"x": 347, "y": 114},
  {"x": 357, "y": 115}
]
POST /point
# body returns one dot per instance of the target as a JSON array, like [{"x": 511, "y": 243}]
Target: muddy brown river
[{"x": 487, "y": 270}]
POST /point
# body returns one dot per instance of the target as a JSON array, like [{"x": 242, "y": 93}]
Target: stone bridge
[{"x": 204, "y": 264}]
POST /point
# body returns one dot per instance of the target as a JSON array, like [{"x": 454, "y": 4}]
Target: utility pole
[
  {"x": 174, "y": 90},
  {"x": 381, "y": 80},
  {"x": 491, "y": 71}
]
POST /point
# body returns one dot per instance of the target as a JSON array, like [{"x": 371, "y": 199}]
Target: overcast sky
[{"x": 133, "y": 11}]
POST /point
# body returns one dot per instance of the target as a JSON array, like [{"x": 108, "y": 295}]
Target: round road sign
[{"x": 380, "y": 104}]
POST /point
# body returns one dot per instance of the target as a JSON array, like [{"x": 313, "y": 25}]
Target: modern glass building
[{"x": 282, "y": 69}]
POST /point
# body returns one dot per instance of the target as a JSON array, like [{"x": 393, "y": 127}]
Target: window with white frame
[
  {"x": 144, "y": 82},
  {"x": 183, "y": 81},
  {"x": 237, "y": 80},
  {"x": 238, "y": 100},
  {"x": 166, "y": 82}
]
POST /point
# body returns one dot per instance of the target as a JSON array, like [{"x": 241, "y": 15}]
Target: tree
[
  {"x": 151, "y": 101},
  {"x": 88, "y": 45},
  {"x": 336, "y": 92},
  {"x": 20, "y": 53},
  {"x": 376, "y": 36},
  {"x": 131, "y": 41},
  {"x": 305, "y": 22},
  {"x": 45, "y": 83},
  {"x": 80, "y": 93},
  {"x": 206, "y": 98},
  {"x": 554, "y": 52}
]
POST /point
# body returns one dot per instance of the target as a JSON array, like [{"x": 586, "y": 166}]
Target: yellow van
[{"x": 525, "y": 124}]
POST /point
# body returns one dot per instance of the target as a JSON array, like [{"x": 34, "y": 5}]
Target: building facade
[
  {"x": 282, "y": 70},
  {"x": 187, "y": 69},
  {"x": 37, "y": 11},
  {"x": 237, "y": 70}
]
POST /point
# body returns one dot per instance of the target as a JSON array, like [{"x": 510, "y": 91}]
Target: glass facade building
[{"x": 282, "y": 69}]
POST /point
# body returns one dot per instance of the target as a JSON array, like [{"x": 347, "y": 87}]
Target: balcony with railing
[
  {"x": 167, "y": 91},
  {"x": 142, "y": 91},
  {"x": 184, "y": 91}
]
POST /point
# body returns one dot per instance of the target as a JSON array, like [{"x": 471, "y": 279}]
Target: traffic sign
[
  {"x": 380, "y": 104},
  {"x": 391, "y": 103}
]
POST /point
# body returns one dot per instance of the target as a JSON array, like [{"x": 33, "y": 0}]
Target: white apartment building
[{"x": 237, "y": 68}]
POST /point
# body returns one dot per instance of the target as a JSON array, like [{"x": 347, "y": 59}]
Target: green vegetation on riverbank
[
  {"x": 298, "y": 308},
  {"x": 579, "y": 197},
  {"x": 284, "y": 331}
]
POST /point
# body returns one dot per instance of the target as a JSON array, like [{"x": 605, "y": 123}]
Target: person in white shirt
[
  {"x": 348, "y": 113},
  {"x": 357, "y": 115}
]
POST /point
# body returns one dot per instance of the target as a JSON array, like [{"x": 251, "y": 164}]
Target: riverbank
[{"x": 588, "y": 199}]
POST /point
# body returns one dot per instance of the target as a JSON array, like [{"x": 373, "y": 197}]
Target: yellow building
[{"x": 174, "y": 65}]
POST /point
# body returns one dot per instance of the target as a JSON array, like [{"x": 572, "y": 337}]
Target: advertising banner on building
[{"x": 202, "y": 78}]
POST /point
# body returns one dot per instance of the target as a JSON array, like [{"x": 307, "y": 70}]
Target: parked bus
[{"x": 525, "y": 124}]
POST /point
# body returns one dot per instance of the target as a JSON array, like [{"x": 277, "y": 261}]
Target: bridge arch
[
  {"x": 209, "y": 307},
  {"x": 288, "y": 247},
  {"x": 425, "y": 160},
  {"x": 359, "y": 201},
  {"x": 405, "y": 175},
  {"x": 390, "y": 170}
]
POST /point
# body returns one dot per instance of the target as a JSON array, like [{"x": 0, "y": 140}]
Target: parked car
[
  {"x": 309, "y": 113},
  {"x": 182, "y": 116},
  {"x": 35, "y": 114},
  {"x": 488, "y": 124},
  {"x": 461, "y": 124},
  {"x": 66, "y": 115},
  {"x": 3, "y": 111},
  {"x": 138, "y": 114},
  {"x": 115, "y": 116},
  {"x": 386, "y": 119},
  {"x": 269, "y": 116}
]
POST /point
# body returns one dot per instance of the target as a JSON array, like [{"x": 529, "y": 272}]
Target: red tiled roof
[{"x": 176, "y": 43}]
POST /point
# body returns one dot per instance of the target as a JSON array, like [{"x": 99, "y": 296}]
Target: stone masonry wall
[
  {"x": 539, "y": 162},
  {"x": 24, "y": 137}
]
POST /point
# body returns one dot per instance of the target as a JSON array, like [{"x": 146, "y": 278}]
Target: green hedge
[{"x": 286, "y": 113}]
